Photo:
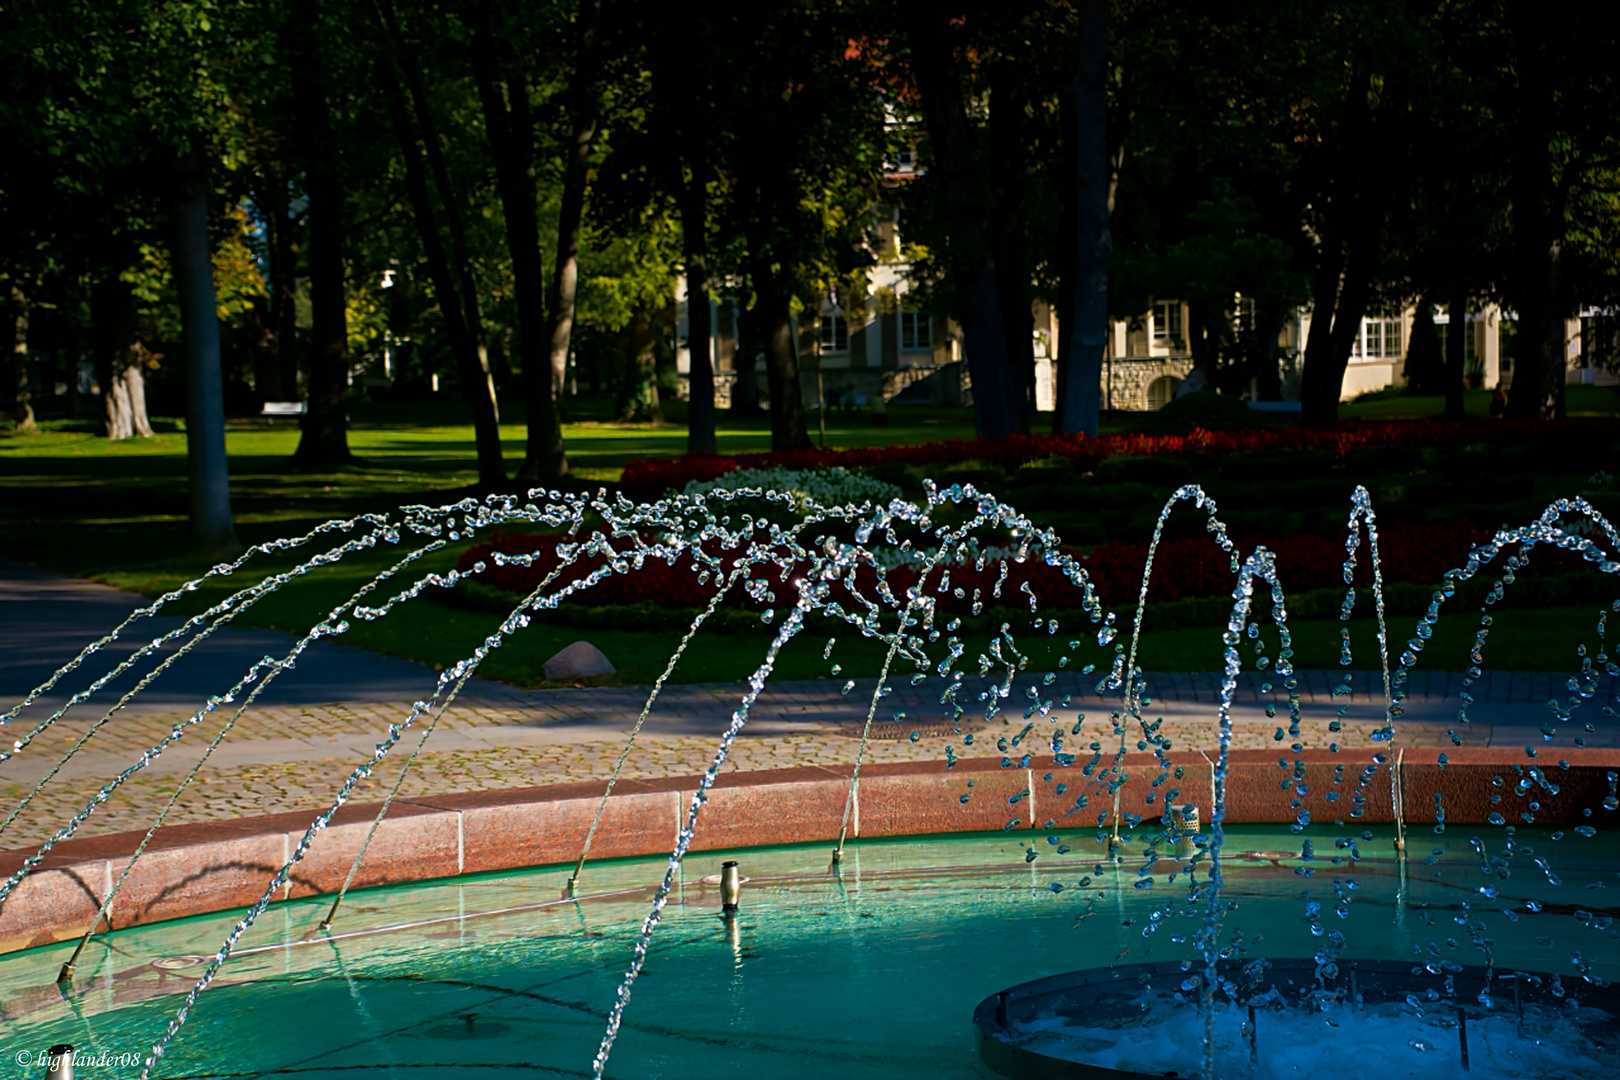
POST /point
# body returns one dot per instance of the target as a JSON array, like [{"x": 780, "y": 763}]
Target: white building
[{"x": 879, "y": 349}]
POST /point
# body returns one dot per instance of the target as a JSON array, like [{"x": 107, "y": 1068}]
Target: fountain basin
[{"x": 871, "y": 971}]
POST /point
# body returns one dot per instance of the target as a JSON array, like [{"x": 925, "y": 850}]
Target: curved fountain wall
[{"x": 220, "y": 866}]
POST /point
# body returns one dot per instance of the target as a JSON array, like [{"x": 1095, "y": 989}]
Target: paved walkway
[{"x": 294, "y": 748}]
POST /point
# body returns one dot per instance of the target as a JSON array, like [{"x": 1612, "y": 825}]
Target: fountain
[{"x": 1120, "y": 837}]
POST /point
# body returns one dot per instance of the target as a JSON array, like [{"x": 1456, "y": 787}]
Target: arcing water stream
[{"x": 834, "y": 562}]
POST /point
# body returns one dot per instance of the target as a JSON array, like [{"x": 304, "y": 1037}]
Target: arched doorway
[{"x": 1162, "y": 391}]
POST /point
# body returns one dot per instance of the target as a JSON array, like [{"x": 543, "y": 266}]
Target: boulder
[{"x": 579, "y": 662}]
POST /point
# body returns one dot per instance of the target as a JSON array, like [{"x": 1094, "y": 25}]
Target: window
[
  {"x": 1243, "y": 314},
  {"x": 1167, "y": 323},
  {"x": 1383, "y": 338},
  {"x": 834, "y": 333},
  {"x": 1136, "y": 339},
  {"x": 1393, "y": 346},
  {"x": 1600, "y": 344},
  {"x": 916, "y": 330}
]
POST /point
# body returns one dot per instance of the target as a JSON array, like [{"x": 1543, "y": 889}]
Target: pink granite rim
[{"x": 220, "y": 866}]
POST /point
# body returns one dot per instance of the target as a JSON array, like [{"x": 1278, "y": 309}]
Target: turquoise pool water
[{"x": 870, "y": 972}]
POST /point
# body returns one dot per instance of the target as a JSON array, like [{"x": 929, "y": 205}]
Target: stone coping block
[{"x": 222, "y": 866}]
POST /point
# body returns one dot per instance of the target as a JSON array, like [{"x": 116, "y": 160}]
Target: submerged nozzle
[{"x": 730, "y": 886}]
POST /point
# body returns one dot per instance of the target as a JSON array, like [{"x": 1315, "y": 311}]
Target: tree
[
  {"x": 1564, "y": 160},
  {"x": 325, "y": 428},
  {"x": 684, "y": 103},
  {"x": 509, "y": 125},
  {"x": 453, "y": 282},
  {"x": 1088, "y": 242},
  {"x": 209, "y": 485},
  {"x": 119, "y": 358},
  {"x": 584, "y": 110},
  {"x": 995, "y": 407},
  {"x": 22, "y": 399}
]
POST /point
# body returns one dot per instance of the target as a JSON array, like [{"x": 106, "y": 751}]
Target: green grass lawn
[
  {"x": 76, "y": 503},
  {"x": 1396, "y": 404}
]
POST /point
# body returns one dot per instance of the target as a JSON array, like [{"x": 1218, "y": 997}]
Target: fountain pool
[{"x": 872, "y": 970}]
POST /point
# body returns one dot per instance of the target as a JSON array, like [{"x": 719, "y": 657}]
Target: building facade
[{"x": 877, "y": 350}]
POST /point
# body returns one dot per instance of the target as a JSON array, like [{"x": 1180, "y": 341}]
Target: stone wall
[{"x": 1132, "y": 377}]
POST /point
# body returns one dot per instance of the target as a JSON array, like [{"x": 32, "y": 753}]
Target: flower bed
[
  {"x": 647, "y": 478},
  {"x": 1184, "y": 569},
  {"x": 828, "y": 486}
]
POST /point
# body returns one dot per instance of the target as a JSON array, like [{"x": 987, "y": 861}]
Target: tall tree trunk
[
  {"x": 1456, "y": 327},
  {"x": 782, "y": 375},
  {"x": 638, "y": 389},
  {"x": 972, "y": 264},
  {"x": 325, "y": 436},
  {"x": 773, "y": 316},
  {"x": 477, "y": 383},
  {"x": 266, "y": 350},
  {"x": 1539, "y": 356},
  {"x": 1085, "y": 339},
  {"x": 1343, "y": 283},
  {"x": 510, "y": 128},
  {"x": 1007, "y": 105},
  {"x": 700, "y": 437},
  {"x": 23, "y": 399},
  {"x": 1260, "y": 341},
  {"x": 438, "y": 260},
  {"x": 281, "y": 327},
  {"x": 585, "y": 106},
  {"x": 1425, "y": 359},
  {"x": 119, "y": 359},
  {"x": 209, "y": 486},
  {"x": 679, "y": 73},
  {"x": 745, "y": 360},
  {"x": 1204, "y": 342}
]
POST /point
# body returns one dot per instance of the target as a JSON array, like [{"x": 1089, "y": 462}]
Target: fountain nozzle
[
  {"x": 1186, "y": 819},
  {"x": 730, "y": 886},
  {"x": 59, "y": 1062}
]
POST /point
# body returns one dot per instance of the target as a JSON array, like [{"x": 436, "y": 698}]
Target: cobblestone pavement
[
  {"x": 294, "y": 757},
  {"x": 295, "y": 748}
]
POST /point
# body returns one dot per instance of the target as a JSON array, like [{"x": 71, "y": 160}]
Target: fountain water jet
[{"x": 682, "y": 527}]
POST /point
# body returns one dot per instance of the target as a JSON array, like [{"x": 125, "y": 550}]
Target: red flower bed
[
  {"x": 1183, "y": 568},
  {"x": 1194, "y": 566},
  {"x": 656, "y": 582},
  {"x": 646, "y": 478}
]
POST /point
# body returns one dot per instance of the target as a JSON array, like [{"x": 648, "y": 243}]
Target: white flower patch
[{"x": 831, "y": 486}]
